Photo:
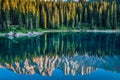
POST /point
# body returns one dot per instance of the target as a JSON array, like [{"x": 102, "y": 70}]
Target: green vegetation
[{"x": 37, "y": 14}]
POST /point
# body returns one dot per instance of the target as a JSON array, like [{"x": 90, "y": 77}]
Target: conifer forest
[{"x": 34, "y": 14}]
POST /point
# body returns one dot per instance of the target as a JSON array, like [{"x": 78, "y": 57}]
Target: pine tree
[
  {"x": 73, "y": 11},
  {"x": 67, "y": 17},
  {"x": 57, "y": 22},
  {"x": 37, "y": 19},
  {"x": 85, "y": 15},
  {"x": 100, "y": 17},
  {"x": 61, "y": 14},
  {"x": 6, "y": 9},
  {"x": 80, "y": 11},
  {"x": 111, "y": 16},
  {"x": 90, "y": 12},
  {"x": 104, "y": 13},
  {"x": 114, "y": 15},
  {"x": 108, "y": 18},
  {"x": 95, "y": 13},
  {"x": 37, "y": 15},
  {"x": 118, "y": 14},
  {"x": 1, "y": 20},
  {"x": 43, "y": 20},
  {"x": 76, "y": 20},
  {"x": 26, "y": 15}
]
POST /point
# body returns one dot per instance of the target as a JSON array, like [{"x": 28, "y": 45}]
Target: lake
[{"x": 61, "y": 56}]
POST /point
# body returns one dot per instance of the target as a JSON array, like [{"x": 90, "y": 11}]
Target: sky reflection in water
[{"x": 57, "y": 74}]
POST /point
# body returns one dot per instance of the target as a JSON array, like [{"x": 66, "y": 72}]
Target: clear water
[{"x": 61, "y": 56}]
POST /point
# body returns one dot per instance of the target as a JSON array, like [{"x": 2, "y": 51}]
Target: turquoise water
[{"x": 61, "y": 56}]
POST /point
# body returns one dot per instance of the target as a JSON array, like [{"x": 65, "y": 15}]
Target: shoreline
[
  {"x": 33, "y": 33},
  {"x": 102, "y": 31}
]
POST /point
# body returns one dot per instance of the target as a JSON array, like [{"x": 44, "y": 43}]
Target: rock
[
  {"x": 10, "y": 34},
  {"x": 29, "y": 34},
  {"x": 19, "y": 35}
]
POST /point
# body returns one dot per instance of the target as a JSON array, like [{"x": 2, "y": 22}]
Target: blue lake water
[{"x": 61, "y": 56}]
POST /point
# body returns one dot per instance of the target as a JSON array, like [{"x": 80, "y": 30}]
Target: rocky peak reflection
[
  {"x": 71, "y": 52},
  {"x": 46, "y": 65}
]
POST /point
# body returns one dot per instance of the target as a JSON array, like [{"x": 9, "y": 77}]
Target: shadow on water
[{"x": 64, "y": 53}]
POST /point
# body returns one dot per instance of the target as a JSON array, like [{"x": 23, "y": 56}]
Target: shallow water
[{"x": 61, "y": 56}]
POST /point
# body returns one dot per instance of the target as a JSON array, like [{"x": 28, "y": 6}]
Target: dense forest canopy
[{"x": 32, "y": 14}]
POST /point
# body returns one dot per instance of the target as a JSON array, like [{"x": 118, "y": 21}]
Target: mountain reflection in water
[{"x": 72, "y": 53}]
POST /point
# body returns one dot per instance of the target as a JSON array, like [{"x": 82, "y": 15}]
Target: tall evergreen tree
[
  {"x": 6, "y": 9},
  {"x": 114, "y": 15},
  {"x": 100, "y": 17},
  {"x": 43, "y": 18},
  {"x": 1, "y": 15}
]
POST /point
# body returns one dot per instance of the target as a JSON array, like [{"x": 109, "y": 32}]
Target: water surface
[{"x": 57, "y": 56}]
